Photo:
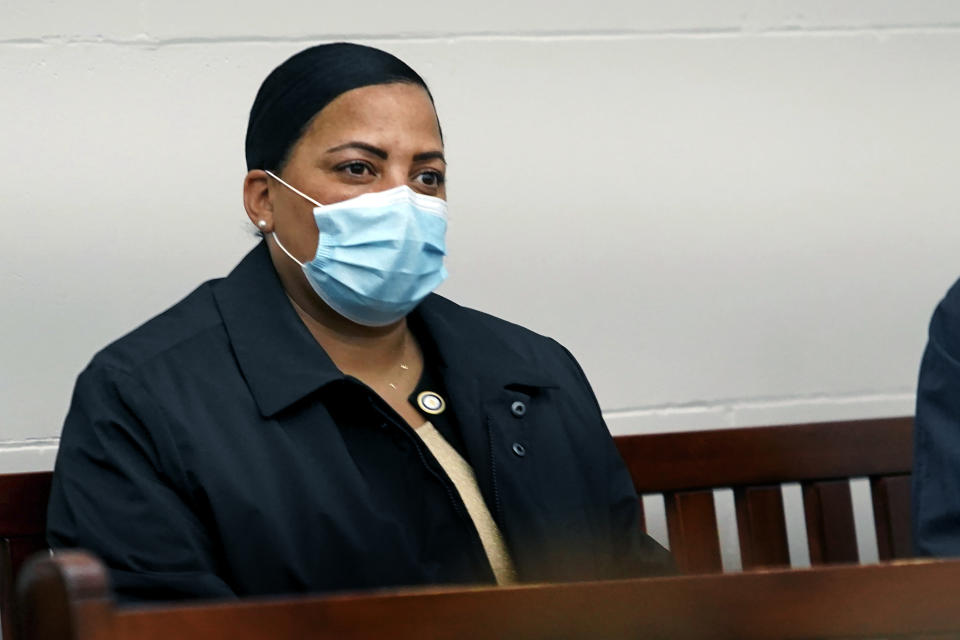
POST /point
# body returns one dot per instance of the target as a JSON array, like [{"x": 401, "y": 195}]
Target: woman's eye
[
  {"x": 431, "y": 178},
  {"x": 356, "y": 169}
]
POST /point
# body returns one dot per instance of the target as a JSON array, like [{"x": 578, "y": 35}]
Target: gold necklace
[
  {"x": 403, "y": 365},
  {"x": 393, "y": 385}
]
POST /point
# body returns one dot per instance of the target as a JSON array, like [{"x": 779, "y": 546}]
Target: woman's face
[{"x": 368, "y": 139}]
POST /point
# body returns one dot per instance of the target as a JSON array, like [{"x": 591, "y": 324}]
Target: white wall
[{"x": 732, "y": 212}]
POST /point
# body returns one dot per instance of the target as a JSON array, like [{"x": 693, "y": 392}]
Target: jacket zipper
[
  {"x": 497, "y": 507},
  {"x": 458, "y": 506}
]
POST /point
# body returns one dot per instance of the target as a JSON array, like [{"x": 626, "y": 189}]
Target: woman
[{"x": 319, "y": 420}]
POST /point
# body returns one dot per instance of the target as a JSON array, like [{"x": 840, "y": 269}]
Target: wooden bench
[
  {"x": 685, "y": 468},
  {"x": 754, "y": 462},
  {"x": 67, "y": 598}
]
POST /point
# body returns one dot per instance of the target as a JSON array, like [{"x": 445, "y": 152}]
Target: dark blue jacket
[
  {"x": 218, "y": 451},
  {"x": 936, "y": 469}
]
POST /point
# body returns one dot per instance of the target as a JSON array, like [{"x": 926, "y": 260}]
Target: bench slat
[
  {"x": 692, "y": 528},
  {"x": 831, "y": 534},
  {"x": 762, "y": 527},
  {"x": 891, "y": 514}
]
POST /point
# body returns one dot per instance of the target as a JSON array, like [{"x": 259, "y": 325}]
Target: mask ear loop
[
  {"x": 280, "y": 244},
  {"x": 294, "y": 189},
  {"x": 299, "y": 193}
]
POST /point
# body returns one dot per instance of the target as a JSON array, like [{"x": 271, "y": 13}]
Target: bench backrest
[
  {"x": 755, "y": 462},
  {"x": 67, "y": 598},
  {"x": 23, "y": 521}
]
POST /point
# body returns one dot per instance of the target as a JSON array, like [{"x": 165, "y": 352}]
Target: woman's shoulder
[
  {"x": 471, "y": 333},
  {"x": 167, "y": 335},
  {"x": 480, "y": 324}
]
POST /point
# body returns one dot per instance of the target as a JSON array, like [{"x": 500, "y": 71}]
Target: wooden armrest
[{"x": 65, "y": 597}]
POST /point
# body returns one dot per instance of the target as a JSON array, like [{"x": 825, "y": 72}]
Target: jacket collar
[
  {"x": 279, "y": 358},
  {"x": 282, "y": 362},
  {"x": 467, "y": 346}
]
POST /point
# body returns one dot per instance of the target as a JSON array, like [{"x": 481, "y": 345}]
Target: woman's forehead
[{"x": 385, "y": 111}]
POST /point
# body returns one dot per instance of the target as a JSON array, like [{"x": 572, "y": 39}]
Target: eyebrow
[
  {"x": 383, "y": 155},
  {"x": 430, "y": 155}
]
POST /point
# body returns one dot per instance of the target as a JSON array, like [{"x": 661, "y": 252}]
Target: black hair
[{"x": 303, "y": 85}]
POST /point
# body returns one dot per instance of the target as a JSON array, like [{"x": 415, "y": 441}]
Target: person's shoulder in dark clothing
[
  {"x": 485, "y": 331},
  {"x": 192, "y": 318},
  {"x": 936, "y": 472}
]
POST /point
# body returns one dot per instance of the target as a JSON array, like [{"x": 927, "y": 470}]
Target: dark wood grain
[
  {"x": 23, "y": 503},
  {"x": 761, "y": 527},
  {"x": 14, "y": 552},
  {"x": 891, "y": 514},
  {"x": 7, "y": 600},
  {"x": 755, "y": 461},
  {"x": 768, "y": 455},
  {"x": 831, "y": 535},
  {"x": 910, "y": 599},
  {"x": 65, "y": 597},
  {"x": 692, "y": 527},
  {"x": 23, "y": 522}
]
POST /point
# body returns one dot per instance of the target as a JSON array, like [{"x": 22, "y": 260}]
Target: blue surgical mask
[{"x": 378, "y": 255}]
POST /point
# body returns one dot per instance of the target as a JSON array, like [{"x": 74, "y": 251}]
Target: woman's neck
[{"x": 357, "y": 350}]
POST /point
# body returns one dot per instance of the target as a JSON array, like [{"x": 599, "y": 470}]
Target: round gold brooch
[{"x": 431, "y": 402}]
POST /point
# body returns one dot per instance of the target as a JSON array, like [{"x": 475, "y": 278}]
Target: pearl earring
[{"x": 262, "y": 224}]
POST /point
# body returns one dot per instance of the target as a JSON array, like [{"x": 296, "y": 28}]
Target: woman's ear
[{"x": 256, "y": 200}]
